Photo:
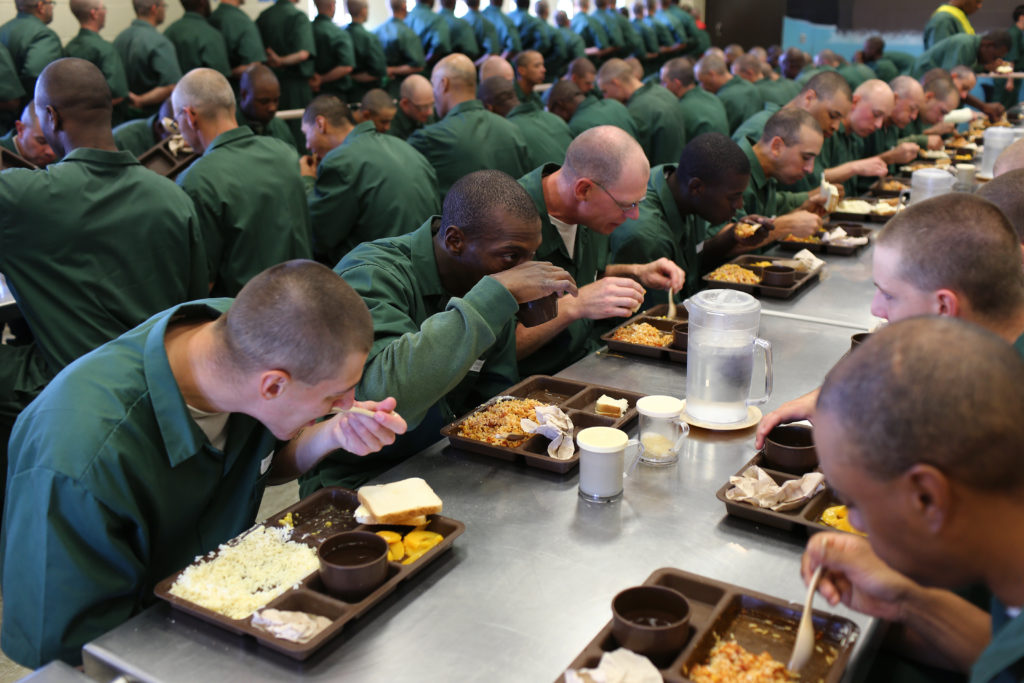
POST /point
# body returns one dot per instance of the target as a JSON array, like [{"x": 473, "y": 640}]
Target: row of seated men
[{"x": 422, "y": 321}]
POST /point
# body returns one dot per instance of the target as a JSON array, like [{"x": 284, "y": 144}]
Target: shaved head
[
  {"x": 496, "y": 66},
  {"x": 458, "y": 69},
  {"x": 564, "y": 99},
  {"x": 207, "y": 92},
  {"x": 377, "y": 100},
  {"x": 873, "y": 102},
  {"x": 498, "y": 94},
  {"x": 413, "y": 86},
  {"x": 1010, "y": 159},
  {"x": 602, "y": 154},
  {"x": 909, "y": 98},
  {"x": 73, "y": 105},
  {"x": 1005, "y": 192},
  {"x": 257, "y": 75},
  {"x": 81, "y": 8}
]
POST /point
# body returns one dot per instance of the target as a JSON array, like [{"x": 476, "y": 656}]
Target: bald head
[
  {"x": 205, "y": 91},
  {"x": 496, "y": 66},
  {"x": 747, "y": 67},
  {"x": 603, "y": 154},
  {"x": 413, "y": 86},
  {"x": 873, "y": 102},
  {"x": 712, "y": 72},
  {"x": 564, "y": 99},
  {"x": 1011, "y": 159},
  {"x": 82, "y": 9},
  {"x": 1004, "y": 192},
  {"x": 73, "y": 104},
  {"x": 617, "y": 80},
  {"x": 454, "y": 82},
  {"x": 498, "y": 95},
  {"x": 908, "y": 100}
]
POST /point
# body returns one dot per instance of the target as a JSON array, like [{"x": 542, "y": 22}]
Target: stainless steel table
[{"x": 531, "y": 580}]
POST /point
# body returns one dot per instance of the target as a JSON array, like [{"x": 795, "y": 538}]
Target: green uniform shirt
[
  {"x": 753, "y": 128},
  {"x": 882, "y": 140},
  {"x": 665, "y": 37},
  {"x": 676, "y": 27},
  {"x": 94, "y": 245},
  {"x": 485, "y": 32},
  {"x": 612, "y": 28},
  {"x": 431, "y": 29},
  {"x": 741, "y": 99},
  {"x": 461, "y": 33},
  {"x": 810, "y": 71},
  {"x": 575, "y": 45},
  {"x": 148, "y": 56},
  {"x": 557, "y": 58},
  {"x": 198, "y": 44},
  {"x": 660, "y": 230},
  {"x": 778, "y": 92},
  {"x": 32, "y": 45},
  {"x": 136, "y": 136},
  {"x": 844, "y": 146},
  {"x": 590, "y": 257},
  {"x": 1002, "y": 661},
  {"x": 855, "y": 74},
  {"x": 591, "y": 31},
  {"x": 108, "y": 501},
  {"x": 401, "y": 46},
  {"x": 961, "y": 48},
  {"x": 1015, "y": 56},
  {"x": 762, "y": 196},
  {"x": 547, "y": 136},
  {"x": 370, "y": 186},
  {"x": 402, "y": 126},
  {"x": 602, "y": 112},
  {"x": 633, "y": 42},
  {"x": 369, "y": 59},
  {"x": 941, "y": 25},
  {"x": 333, "y": 48},
  {"x": 531, "y": 35},
  {"x": 10, "y": 84},
  {"x": 277, "y": 128},
  {"x": 285, "y": 29},
  {"x": 699, "y": 40},
  {"x": 88, "y": 45},
  {"x": 427, "y": 347},
  {"x": 251, "y": 204},
  {"x": 241, "y": 37},
  {"x": 8, "y": 142},
  {"x": 507, "y": 33},
  {"x": 647, "y": 34},
  {"x": 660, "y": 123},
  {"x": 468, "y": 139},
  {"x": 703, "y": 113},
  {"x": 884, "y": 69}
]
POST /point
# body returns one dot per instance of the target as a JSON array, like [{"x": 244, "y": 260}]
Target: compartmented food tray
[
  {"x": 758, "y": 622},
  {"x": 321, "y": 515},
  {"x": 9, "y": 159},
  {"x": 803, "y": 279},
  {"x": 162, "y": 160},
  {"x": 863, "y": 217},
  {"x": 876, "y": 189},
  {"x": 807, "y": 518},
  {"x": 657, "y": 318},
  {"x": 852, "y": 229},
  {"x": 576, "y": 399}
]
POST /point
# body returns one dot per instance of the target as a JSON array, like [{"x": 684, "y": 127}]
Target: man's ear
[
  {"x": 54, "y": 119},
  {"x": 947, "y": 302},
  {"x": 454, "y": 239},
  {"x": 273, "y": 384}
]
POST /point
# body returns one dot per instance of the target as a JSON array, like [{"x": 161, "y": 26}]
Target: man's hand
[
  {"x": 362, "y": 434},
  {"x": 903, "y": 153},
  {"x": 871, "y": 166},
  {"x": 801, "y": 408},
  {"x": 307, "y": 165},
  {"x": 535, "y": 280},
  {"x": 314, "y": 82},
  {"x": 936, "y": 142},
  {"x": 855, "y": 576},
  {"x": 273, "y": 60},
  {"x": 993, "y": 110},
  {"x": 799, "y": 223},
  {"x": 609, "y": 297},
  {"x": 763, "y": 234},
  {"x": 815, "y": 202},
  {"x": 134, "y": 100},
  {"x": 661, "y": 274},
  {"x": 941, "y": 128}
]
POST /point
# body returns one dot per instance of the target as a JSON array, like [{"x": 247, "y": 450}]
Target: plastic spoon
[
  {"x": 804, "y": 646},
  {"x": 354, "y": 409},
  {"x": 671, "y": 303}
]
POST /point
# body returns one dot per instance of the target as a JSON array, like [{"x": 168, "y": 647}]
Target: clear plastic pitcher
[{"x": 720, "y": 355}]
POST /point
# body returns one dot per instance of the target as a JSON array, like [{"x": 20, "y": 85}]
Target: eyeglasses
[{"x": 624, "y": 206}]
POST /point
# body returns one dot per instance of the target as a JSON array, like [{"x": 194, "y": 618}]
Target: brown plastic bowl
[
  {"x": 858, "y": 339},
  {"x": 653, "y": 621},
  {"x": 778, "y": 276},
  {"x": 680, "y": 336},
  {"x": 538, "y": 311},
  {"x": 353, "y": 563},
  {"x": 790, "y": 448}
]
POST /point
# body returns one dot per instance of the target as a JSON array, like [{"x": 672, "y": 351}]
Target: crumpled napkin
[
  {"x": 619, "y": 666},
  {"x": 807, "y": 261},
  {"x": 840, "y": 238},
  {"x": 177, "y": 145},
  {"x": 757, "y": 487},
  {"x": 555, "y": 425}
]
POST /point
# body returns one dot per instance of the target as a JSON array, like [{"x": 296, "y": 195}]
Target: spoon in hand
[
  {"x": 804, "y": 646},
  {"x": 671, "y": 303}
]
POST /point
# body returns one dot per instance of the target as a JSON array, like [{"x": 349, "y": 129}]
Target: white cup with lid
[
  {"x": 662, "y": 429},
  {"x": 603, "y": 461}
]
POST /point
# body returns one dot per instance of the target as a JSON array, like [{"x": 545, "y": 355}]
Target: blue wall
[{"x": 813, "y": 38}]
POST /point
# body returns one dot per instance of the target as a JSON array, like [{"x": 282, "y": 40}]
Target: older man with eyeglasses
[
  {"x": 598, "y": 187},
  {"x": 30, "y": 41}
]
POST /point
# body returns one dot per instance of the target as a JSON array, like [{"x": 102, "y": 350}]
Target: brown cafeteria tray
[
  {"x": 862, "y": 217},
  {"x": 852, "y": 229},
  {"x": 876, "y": 188},
  {"x": 757, "y": 621},
  {"x": 326, "y": 512},
  {"x": 656, "y": 320},
  {"x": 162, "y": 160},
  {"x": 806, "y": 518},
  {"x": 577, "y": 399},
  {"x": 9, "y": 159},
  {"x": 802, "y": 279}
]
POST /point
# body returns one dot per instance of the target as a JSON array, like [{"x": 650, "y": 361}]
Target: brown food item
[
  {"x": 810, "y": 239},
  {"x": 501, "y": 417},
  {"x": 892, "y": 185},
  {"x": 745, "y": 230},
  {"x": 731, "y": 662},
  {"x": 730, "y": 272},
  {"x": 642, "y": 333}
]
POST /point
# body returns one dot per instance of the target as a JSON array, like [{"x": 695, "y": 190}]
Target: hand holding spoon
[{"x": 804, "y": 646}]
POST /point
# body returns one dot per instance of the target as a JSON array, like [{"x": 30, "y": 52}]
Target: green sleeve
[
  {"x": 207, "y": 220},
  {"x": 200, "y": 275},
  {"x": 250, "y": 46},
  {"x": 77, "y": 571},
  {"x": 789, "y": 201},
  {"x": 10, "y": 84},
  {"x": 920, "y": 140},
  {"x": 440, "y": 38},
  {"x": 302, "y": 34},
  {"x": 412, "y": 49},
  {"x": 113, "y": 71},
  {"x": 440, "y": 352},
  {"x": 333, "y": 209},
  {"x": 45, "y": 49},
  {"x": 165, "y": 63},
  {"x": 376, "y": 64}
]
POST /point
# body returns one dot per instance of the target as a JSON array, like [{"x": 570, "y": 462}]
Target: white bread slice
[
  {"x": 363, "y": 516},
  {"x": 831, "y": 194},
  {"x": 402, "y": 500},
  {"x": 614, "y": 407}
]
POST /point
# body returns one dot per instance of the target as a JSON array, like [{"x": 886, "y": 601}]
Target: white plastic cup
[
  {"x": 965, "y": 174},
  {"x": 661, "y": 429},
  {"x": 602, "y": 462}
]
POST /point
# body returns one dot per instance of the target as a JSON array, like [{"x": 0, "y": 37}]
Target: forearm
[
  {"x": 300, "y": 454},
  {"x": 630, "y": 270},
  {"x": 336, "y": 73},
  {"x": 365, "y": 77},
  {"x": 840, "y": 173},
  {"x": 530, "y": 339},
  {"x": 404, "y": 70},
  {"x": 294, "y": 58},
  {"x": 155, "y": 96}
]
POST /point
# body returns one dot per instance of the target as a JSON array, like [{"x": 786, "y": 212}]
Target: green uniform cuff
[{"x": 492, "y": 302}]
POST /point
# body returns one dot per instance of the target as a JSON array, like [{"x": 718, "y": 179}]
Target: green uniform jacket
[
  {"x": 241, "y": 37},
  {"x": 32, "y": 45},
  {"x": 547, "y": 136},
  {"x": 94, "y": 245},
  {"x": 741, "y": 99},
  {"x": 1009, "y": 98},
  {"x": 941, "y": 25},
  {"x": 602, "y": 112},
  {"x": 369, "y": 59},
  {"x": 557, "y": 58},
  {"x": 277, "y": 128},
  {"x": 591, "y": 31},
  {"x": 884, "y": 69},
  {"x": 855, "y": 74},
  {"x": 108, "y": 501},
  {"x": 136, "y": 136},
  {"x": 762, "y": 196},
  {"x": 401, "y": 46},
  {"x": 402, "y": 126},
  {"x": 461, "y": 33},
  {"x": 198, "y": 44},
  {"x": 660, "y": 123},
  {"x": 632, "y": 40},
  {"x": 660, "y": 230},
  {"x": 285, "y": 29},
  {"x": 333, "y": 48},
  {"x": 575, "y": 45},
  {"x": 251, "y": 205},
  {"x": 778, "y": 92},
  {"x": 590, "y": 257},
  {"x": 612, "y": 28},
  {"x": 431, "y": 29},
  {"x": 468, "y": 139},
  {"x": 10, "y": 84},
  {"x": 703, "y": 113},
  {"x": 844, "y": 146},
  {"x": 753, "y": 128},
  {"x": 953, "y": 51},
  {"x": 427, "y": 347},
  {"x": 531, "y": 35},
  {"x": 507, "y": 33},
  {"x": 676, "y": 27},
  {"x": 485, "y": 32},
  {"x": 148, "y": 56},
  {"x": 1003, "y": 660},
  {"x": 88, "y": 45},
  {"x": 370, "y": 186}
]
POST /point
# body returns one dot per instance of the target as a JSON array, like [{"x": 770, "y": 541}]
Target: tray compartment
[
  {"x": 546, "y": 389},
  {"x": 659, "y": 352},
  {"x": 803, "y": 279},
  {"x": 787, "y": 521}
]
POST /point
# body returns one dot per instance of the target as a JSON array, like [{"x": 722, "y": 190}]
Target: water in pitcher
[{"x": 718, "y": 386}]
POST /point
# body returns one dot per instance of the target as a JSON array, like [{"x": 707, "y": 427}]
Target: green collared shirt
[
  {"x": 753, "y": 128},
  {"x": 32, "y": 45},
  {"x": 461, "y": 33},
  {"x": 547, "y": 136},
  {"x": 402, "y": 126},
  {"x": 741, "y": 99},
  {"x": 149, "y": 58},
  {"x": 470, "y": 138},
  {"x": 439, "y": 355},
  {"x": 431, "y": 29},
  {"x": 531, "y": 35},
  {"x": 368, "y": 187},
  {"x": 369, "y": 59},
  {"x": 778, "y": 92},
  {"x": 333, "y": 48},
  {"x": 660, "y": 123},
  {"x": 285, "y": 29},
  {"x": 198, "y": 44},
  {"x": 602, "y": 112},
  {"x": 106, "y": 502},
  {"x": 590, "y": 257},
  {"x": 1003, "y": 660},
  {"x": 575, "y": 45},
  {"x": 136, "y": 136},
  {"x": 485, "y": 32},
  {"x": 611, "y": 26},
  {"x": 591, "y": 31},
  {"x": 251, "y": 205},
  {"x": 88, "y": 45},
  {"x": 507, "y": 32},
  {"x": 941, "y": 25},
  {"x": 241, "y": 36},
  {"x": 955, "y": 50},
  {"x": 92, "y": 246},
  {"x": 761, "y": 195},
  {"x": 703, "y": 113}
]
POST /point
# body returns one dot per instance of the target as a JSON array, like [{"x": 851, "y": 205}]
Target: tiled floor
[{"x": 275, "y": 498}]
